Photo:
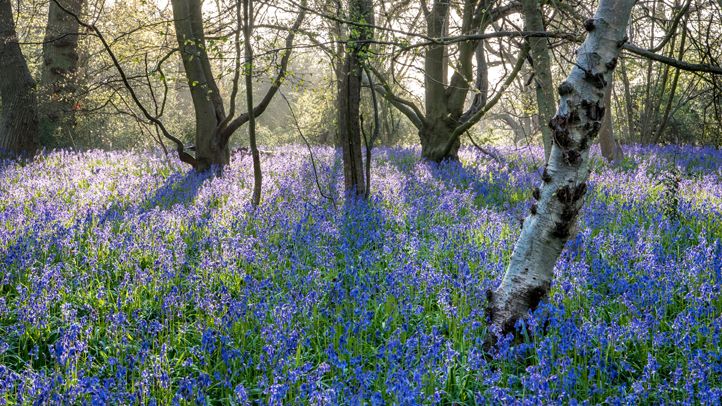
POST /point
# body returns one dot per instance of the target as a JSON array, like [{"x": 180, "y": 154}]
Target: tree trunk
[
  {"x": 445, "y": 117},
  {"x": 611, "y": 150},
  {"x": 207, "y": 102},
  {"x": 628, "y": 102},
  {"x": 19, "y": 115},
  {"x": 247, "y": 31},
  {"x": 349, "y": 97},
  {"x": 673, "y": 87},
  {"x": 560, "y": 196},
  {"x": 58, "y": 82},
  {"x": 545, "y": 98},
  {"x": 435, "y": 135}
]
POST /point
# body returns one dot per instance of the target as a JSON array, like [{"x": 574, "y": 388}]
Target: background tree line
[{"x": 83, "y": 104}]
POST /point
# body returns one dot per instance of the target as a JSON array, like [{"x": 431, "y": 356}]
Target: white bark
[{"x": 560, "y": 196}]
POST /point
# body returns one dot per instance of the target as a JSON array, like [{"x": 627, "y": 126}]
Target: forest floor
[{"x": 125, "y": 281}]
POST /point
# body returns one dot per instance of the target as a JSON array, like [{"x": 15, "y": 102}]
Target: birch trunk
[
  {"x": 19, "y": 115},
  {"x": 560, "y": 196}
]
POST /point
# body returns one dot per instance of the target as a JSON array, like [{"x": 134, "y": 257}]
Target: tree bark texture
[
  {"x": 207, "y": 102},
  {"x": 248, "y": 49},
  {"x": 545, "y": 99},
  {"x": 19, "y": 115},
  {"x": 214, "y": 127},
  {"x": 349, "y": 96},
  {"x": 560, "y": 195},
  {"x": 611, "y": 149},
  {"x": 58, "y": 82},
  {"x": 445, "y": 115}
]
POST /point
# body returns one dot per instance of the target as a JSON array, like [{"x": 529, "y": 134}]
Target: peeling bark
[{"x": 577, "y": 122}]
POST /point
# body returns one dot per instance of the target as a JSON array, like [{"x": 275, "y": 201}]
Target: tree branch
[
  {"x": 690, "y": 67},
  {"x": 180, "y": 148},
  {"x": 226, "y": 132},
  {"x": 408, "y": 108}
]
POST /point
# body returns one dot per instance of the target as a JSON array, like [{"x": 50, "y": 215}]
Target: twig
[{"x": 310, "y": 151}]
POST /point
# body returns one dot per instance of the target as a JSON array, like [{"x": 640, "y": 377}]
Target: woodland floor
[{"x": 126, "y": 281}]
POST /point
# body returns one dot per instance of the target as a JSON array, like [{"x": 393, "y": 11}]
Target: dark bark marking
[
  {"x": 595, "y": 79},
  {"x": 545, "y": 175},
  {"x": 565, "y": 195},
  {"x": 489, "y": 301},
  {"x": 580, "y": 191},
  {"x": 574, "y": 117},
  {"x": 536, "y": 193},
  {"x": 535, "y": 295},
  {"x": 594, "y": 111},
  {"x": 565, "y": 88},
  {"x": 560, "y": 133},
  {"x": 589, "y": 25},
  {"x": 568, "y": 196},
  {"x": 584, "y": 143},
  {"x": 611, "y": 64},
  {"x": 572, "y": 157},
  {"x": 623, "y": 41}
]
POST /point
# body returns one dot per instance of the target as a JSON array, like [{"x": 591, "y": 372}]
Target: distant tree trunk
[
  {"x": 611, "y": 150},
  {"x": 247, "y": 31},
  {"x": 214, "y": 127},
  {"x": 349, "y": 97},
  {"x": 544, "y": 88},
  {"x": 435, "y": 135},
  {"x": 518, "y": 125},
  {"x": 19, "y": 115},
  {"x": 58, "y": 82},
  {"x": 628, "y": 102},
  {"x": 438, "y": 127},
  {"x": 207, "y": 102},
  {"x": 445, "y": 116},
  {"x": 673, "y": 87},
  {"x": 560, "y": 196}
]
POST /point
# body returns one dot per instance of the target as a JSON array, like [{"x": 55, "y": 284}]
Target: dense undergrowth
[{"x": 124, "y": 281}]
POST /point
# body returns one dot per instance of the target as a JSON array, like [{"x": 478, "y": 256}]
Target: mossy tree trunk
[
  {"x": 58, "y": 82},
  {"x": 539, "y": 51},
  {"x": 207, "y": 101},
  {"x": 214, "y": 127},
  {"x": 446, "y": 111},
  {"x": 349, "y": 96},
  {"x": 19, "y": 115}
]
